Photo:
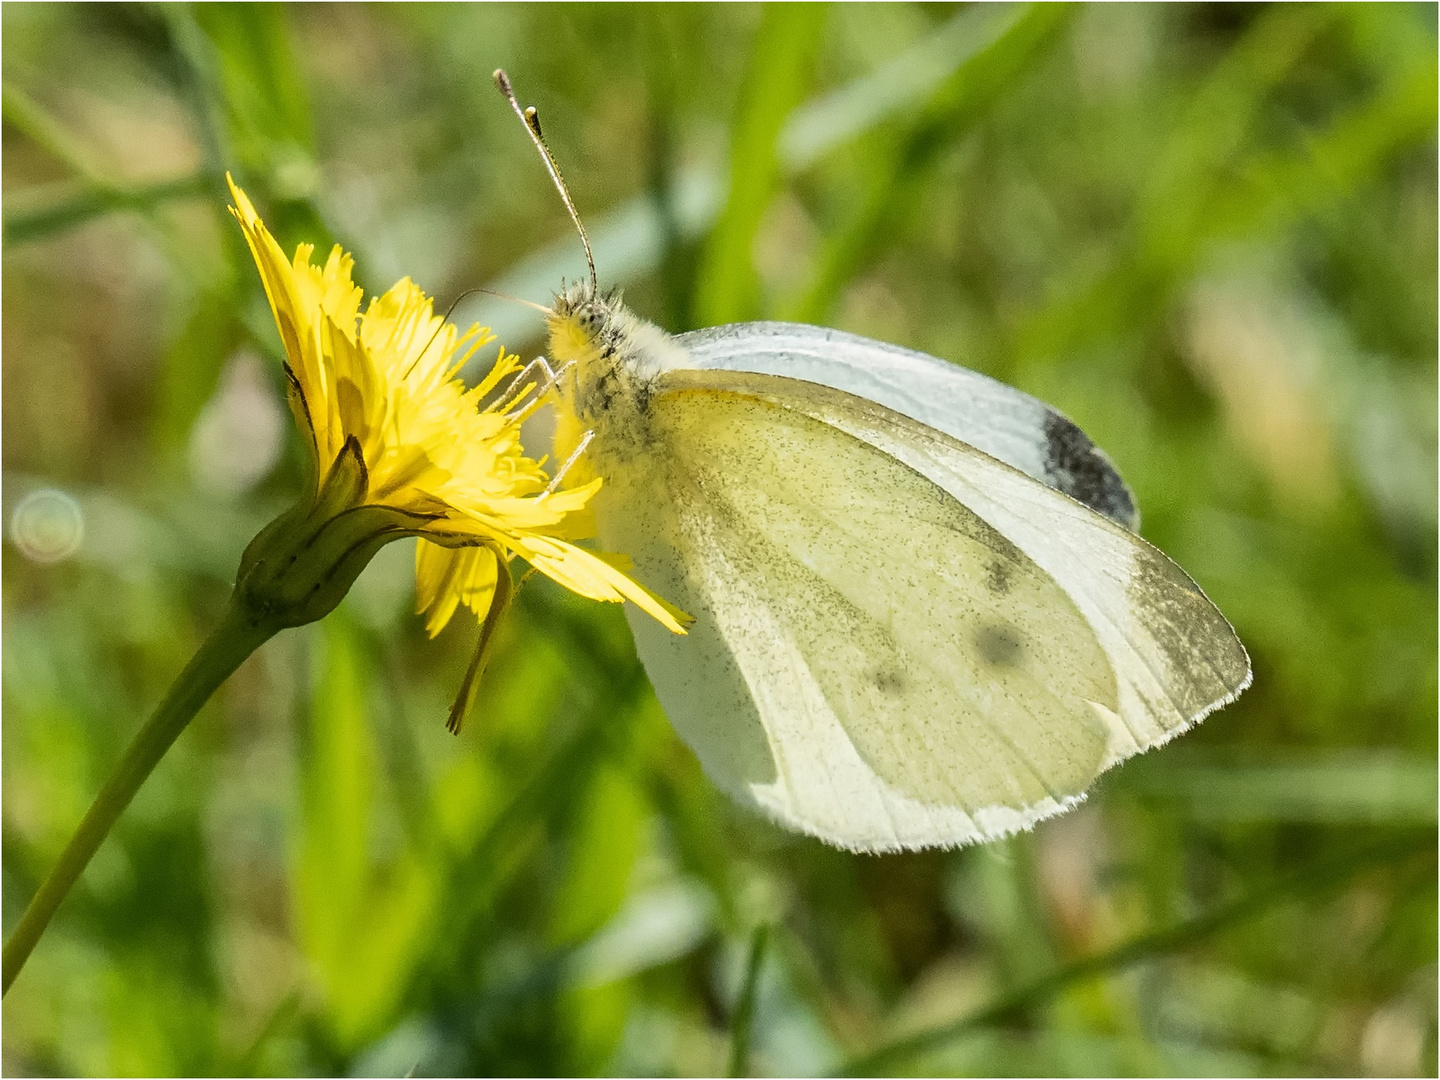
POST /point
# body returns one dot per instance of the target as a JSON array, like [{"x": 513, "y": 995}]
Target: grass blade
[
  {"x": 728, "y": 289},
  {"x": 958, "y": 104},
  {"x": 1309, "y": 881},
  {"x": 745, "y": 1008}
]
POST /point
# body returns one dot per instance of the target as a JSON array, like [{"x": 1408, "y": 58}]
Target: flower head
[{"x": 401, "y": 446}]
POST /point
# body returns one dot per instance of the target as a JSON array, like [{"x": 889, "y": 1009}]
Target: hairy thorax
[{"x": 607, "y": 361}]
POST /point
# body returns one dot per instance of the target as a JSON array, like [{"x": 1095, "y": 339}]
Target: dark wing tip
[{"x": 1077, "y": 467}]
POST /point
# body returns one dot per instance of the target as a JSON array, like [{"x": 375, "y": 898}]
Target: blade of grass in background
[
  {"x": 263, "y": 91},
  {"x": 1354, "y": 787},
  {"x": 898, "y": 165},
  {"x": 1193, "y": 199},
  {"x": 744, "y": 1017},
  {"x": 894, "y": 89},
  {"x": 249, "y": 100},
  {"x": 52, "y": 208},
  {"x": 727, "y": 288},
  {"x": 1305, "y": 884},
  {"x": 26, "y": 115},
  {"x": 332, "y": 859}
]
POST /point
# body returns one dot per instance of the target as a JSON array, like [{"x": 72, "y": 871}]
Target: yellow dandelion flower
[{"x": 399, "y": 446}]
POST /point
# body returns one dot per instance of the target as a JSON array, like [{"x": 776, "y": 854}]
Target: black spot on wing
[
  {"x": 1080, "y": 469},
  {"x": 1000, "y": 645}
]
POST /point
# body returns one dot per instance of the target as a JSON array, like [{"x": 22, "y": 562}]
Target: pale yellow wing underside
[{"x": 877, "y": 659}]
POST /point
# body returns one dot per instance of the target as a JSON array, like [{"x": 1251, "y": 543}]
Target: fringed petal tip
[
  {"x": 244, "y": 210},
  {"x": 597, "y": 577}
]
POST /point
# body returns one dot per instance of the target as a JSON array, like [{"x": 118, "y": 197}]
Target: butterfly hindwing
[
  {"x": 872, "y": 661},
  {"x": 1177, "y": 657}
]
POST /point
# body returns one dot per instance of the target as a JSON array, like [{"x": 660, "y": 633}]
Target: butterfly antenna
[{"x": 531, "y": 119}]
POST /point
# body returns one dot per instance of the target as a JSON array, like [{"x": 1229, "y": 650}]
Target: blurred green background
[{"x": 1208, "y": 233}]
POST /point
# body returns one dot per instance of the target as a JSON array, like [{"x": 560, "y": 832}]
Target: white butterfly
[{"x": 922, "y": 617}]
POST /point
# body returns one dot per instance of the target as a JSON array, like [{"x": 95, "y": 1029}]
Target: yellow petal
[
  {"x": 582, "y": 572},
  {"x": 448, "y": 577}
]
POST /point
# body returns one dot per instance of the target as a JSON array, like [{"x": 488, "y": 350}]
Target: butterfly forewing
[{"x": 1005, "y": 423}]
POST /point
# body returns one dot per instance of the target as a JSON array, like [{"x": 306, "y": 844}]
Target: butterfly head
[{"x": 585, "y": 326}]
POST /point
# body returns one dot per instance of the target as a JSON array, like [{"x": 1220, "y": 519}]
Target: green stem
[{"x": 233, "y": 640}]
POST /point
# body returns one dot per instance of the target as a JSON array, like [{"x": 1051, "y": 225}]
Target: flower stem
[{"x": 237, "y": 636}]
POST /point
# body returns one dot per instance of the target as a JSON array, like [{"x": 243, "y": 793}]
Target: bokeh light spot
[{"x": 47, "y": 526}]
